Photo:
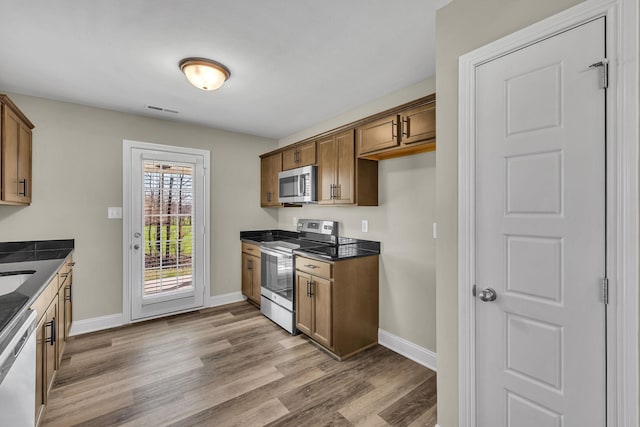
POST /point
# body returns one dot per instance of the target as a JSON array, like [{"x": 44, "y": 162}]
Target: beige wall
[
  {"x": 462, "y": 26},
  {"x": 77, "y": 174},
  {"x": 401, "y": 222}
]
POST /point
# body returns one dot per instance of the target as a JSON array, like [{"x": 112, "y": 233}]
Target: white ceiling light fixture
[{"x": 203, "y": 73}]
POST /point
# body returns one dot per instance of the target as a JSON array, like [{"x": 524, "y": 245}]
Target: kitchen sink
[{"x": 11, "y": 280}]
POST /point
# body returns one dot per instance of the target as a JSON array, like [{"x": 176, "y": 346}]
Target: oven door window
[
  {"x": 277, "y": 275},
  {"x": 289, "y": 186}
]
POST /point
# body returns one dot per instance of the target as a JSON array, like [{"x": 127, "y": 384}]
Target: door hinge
[
  {"x": 604, "y": 73},
  {"x": 605, "y": 290}
]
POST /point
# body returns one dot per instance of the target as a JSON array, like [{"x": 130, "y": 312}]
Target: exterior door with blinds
[{"x": 165, "y": 230}]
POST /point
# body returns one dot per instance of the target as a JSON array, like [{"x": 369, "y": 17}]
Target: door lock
[
  {"x": 137, "y": 234},
  {"x": 488, "y": 295}
]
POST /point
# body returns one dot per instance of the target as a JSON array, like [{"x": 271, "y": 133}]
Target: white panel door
[
  {"x": 540, "y": 200},
  {"x": 167, "y": 226}
]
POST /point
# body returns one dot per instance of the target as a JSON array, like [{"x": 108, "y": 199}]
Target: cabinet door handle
[
  {"x": 405, "y": 127},
  {"x": 394, "y": 125},
  {"x": 268, "y": 196},
  {"x": 64, "y": 275},
  {"x": 26, "y": 186},
  {"x": 52, "y": 337},
  {"x": 310, "y": 289},
  {"x": 71, "y": 264},
  {"x": 68, "y": 297},
  {"x": 339, "y": 188},
  {"x": 307, "y": 288}
]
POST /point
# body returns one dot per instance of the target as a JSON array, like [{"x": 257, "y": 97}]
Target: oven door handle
[{"x": 275, "y": 253}]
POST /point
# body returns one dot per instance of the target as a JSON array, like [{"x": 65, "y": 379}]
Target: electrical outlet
[
  {"x": 365, "y": 226},
  {"x": 114, "y": 213}
]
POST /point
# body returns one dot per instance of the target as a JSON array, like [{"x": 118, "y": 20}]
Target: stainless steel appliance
[
  {"x": 18, "y": 375},
  {"x": 298, "y": 185},
  {"x": 277, "y": 292}
]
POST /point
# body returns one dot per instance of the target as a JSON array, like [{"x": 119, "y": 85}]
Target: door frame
[
  {"x": 622, "y": 200},
  {"x": 127, "y": 147}
]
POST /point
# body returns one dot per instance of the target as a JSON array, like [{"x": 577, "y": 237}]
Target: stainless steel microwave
[{"x": 298, "y": 185}]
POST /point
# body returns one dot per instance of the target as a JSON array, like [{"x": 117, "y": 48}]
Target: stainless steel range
[{"x": 277, "y": 300}]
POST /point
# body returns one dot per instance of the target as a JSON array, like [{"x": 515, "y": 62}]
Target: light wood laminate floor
[{"x": 230, "y": 366}]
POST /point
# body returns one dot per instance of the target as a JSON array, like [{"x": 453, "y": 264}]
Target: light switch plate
[
  {"x": 114, "y": 213},
  {"x": 365, "y": 226}
]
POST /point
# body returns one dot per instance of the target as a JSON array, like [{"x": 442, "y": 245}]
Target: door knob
[
  {"x": 136, "y": 246},
  {"x": 488, "y": 295}
]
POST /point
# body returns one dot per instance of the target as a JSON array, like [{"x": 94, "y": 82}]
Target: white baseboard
[
  {"x": 94, "y": 324},
  {"x": 223, "y": 299},
  {"x": 79, "y": 327},
  {"x": 408, "y": 349}
]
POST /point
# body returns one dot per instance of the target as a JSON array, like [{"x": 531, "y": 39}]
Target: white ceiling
[{"x": 294, "y": 63}]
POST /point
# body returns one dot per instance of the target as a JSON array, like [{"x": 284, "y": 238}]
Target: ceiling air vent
[{"x": 166, "y": 110}]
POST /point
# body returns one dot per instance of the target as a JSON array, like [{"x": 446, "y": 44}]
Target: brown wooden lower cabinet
[
  {"x": 251, "y": 272},
  {"x": 337, "y": 303},
  {"x": 53, "y": 309}
]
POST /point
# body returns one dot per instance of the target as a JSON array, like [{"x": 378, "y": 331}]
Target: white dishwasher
[{"x": 18, "y": 376}]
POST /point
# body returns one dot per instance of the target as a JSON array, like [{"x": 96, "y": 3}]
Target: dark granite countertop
[
  {"x": 259, "y": 236},
  {"x": 43, "y": 257},
  {"x": 345, "y": 249}
]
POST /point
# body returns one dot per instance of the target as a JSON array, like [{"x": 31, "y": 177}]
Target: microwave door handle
[{"x": 303, "y": 185}]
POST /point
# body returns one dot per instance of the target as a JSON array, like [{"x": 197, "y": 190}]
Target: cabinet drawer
[
  {"x": 312, "y": 266},
  {"x": 251, "y": 249},
  {"x": 63, "y": 275},
  {"x": 45, "y": 298}
]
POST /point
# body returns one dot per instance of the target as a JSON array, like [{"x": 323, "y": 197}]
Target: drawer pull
[
  {"x": 65, "y": 275},
  {"x": 311, "y": 266}
]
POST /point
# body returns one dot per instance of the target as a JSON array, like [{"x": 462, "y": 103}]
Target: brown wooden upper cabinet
[
  {"x": 407, "y": 132},
  {"x": 269, "y": 167},
  {"x": 336, "y": 169},
  {"x": 15, "y": 145},
  {"x": 299, "y": 155}
]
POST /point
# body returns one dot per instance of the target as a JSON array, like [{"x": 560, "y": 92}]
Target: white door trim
[
  {"x": 127, "y": 146},
  {"x": 622, "y": 200}
]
